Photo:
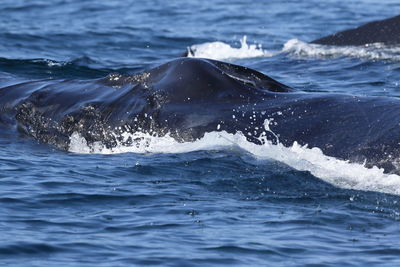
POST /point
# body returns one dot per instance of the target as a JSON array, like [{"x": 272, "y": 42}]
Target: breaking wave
[
  {"x": 368, "y": 52},
  {"x": 340, "y": 173},
  {"x": 221, "y": 50}
]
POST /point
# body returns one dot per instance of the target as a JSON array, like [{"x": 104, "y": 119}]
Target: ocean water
[{"x": 216, "y": 201}]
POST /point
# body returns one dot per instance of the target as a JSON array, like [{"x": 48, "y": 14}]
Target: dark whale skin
[
  {"x": 189, "y": 97},
  {"x": 385, "y": 31}
]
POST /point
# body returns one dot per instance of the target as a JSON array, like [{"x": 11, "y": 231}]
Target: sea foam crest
[
  {"x": 371, "y": 51},
  {"x": 332, "y": 170},
  {"x": 221, "y": 50}
]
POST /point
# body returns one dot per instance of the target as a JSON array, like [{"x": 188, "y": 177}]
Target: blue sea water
[{"x": 208, "y": 207}]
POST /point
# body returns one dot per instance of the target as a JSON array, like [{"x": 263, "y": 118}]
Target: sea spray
[
  {"x": 369, "y": 52},
  {"x": 343, "y": 174},
  {"x": 220, "y": 50}
]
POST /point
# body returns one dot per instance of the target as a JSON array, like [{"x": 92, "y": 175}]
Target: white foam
[
  {"x": 146, "y": 143},
  {"x": 371, "y": 52},
  {"x": 49, "y": 62},
  {"x": 223, "y": 51},
  {"x": 220, "y": 50},
  {"x": 334, "y": 171}
]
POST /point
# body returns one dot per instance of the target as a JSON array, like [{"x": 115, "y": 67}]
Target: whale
[
  {"x": 386, "y": 31},
  {"x": 378, "y": 33},
  {"x": 189, "y": 97}
]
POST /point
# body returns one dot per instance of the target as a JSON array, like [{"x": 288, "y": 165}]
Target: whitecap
[
  {"x": 337, "y": 172},
  {"x": 375, "y": 51},
  {"x": 220, "y": 50}
]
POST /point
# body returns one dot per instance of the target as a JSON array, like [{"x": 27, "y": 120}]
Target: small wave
[
  {"x": 221, "y": 50},
  {"x": 370, "y": 52},
  {"x": 82, "y": 67},
  {"x": 80, "y": 61},
  {"x": 337, "y": 172}
]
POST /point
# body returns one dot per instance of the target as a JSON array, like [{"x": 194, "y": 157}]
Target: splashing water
[
  {"x": 369, "y": 52},
  {"x": 343, "y": 174},
  {"x": 221, "y": 50}
]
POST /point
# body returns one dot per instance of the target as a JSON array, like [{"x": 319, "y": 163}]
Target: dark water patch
[
  {"x": 73, "y": 199},
  {"x": 28, "y": 248},
  {"x": 24, "y": 7},
  {"x": 240, "y": 250},
  {"x": 84, "y": 68},
  {"x": 12, "y": 200}
]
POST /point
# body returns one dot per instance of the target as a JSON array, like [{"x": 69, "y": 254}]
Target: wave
[
  {"x": 294, "y": 47},
  {"x": 337, "y": 172},
  {"x": 82, "y": 67},
  {"x": 220, "y": 50},
  {"x": 368, "y": 52}
]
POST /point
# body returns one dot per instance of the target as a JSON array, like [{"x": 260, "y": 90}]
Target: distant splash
[
  {"x": 221, "y": 50},
  {"x": 368, "y": 52},
  {"x": 337, "y": 172}
]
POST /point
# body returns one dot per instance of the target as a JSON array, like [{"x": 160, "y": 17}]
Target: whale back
[
  {"x": 177, "y": 96},
  {"x": 385, "y": 31},
  {"x": 209, "y": 80}
]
